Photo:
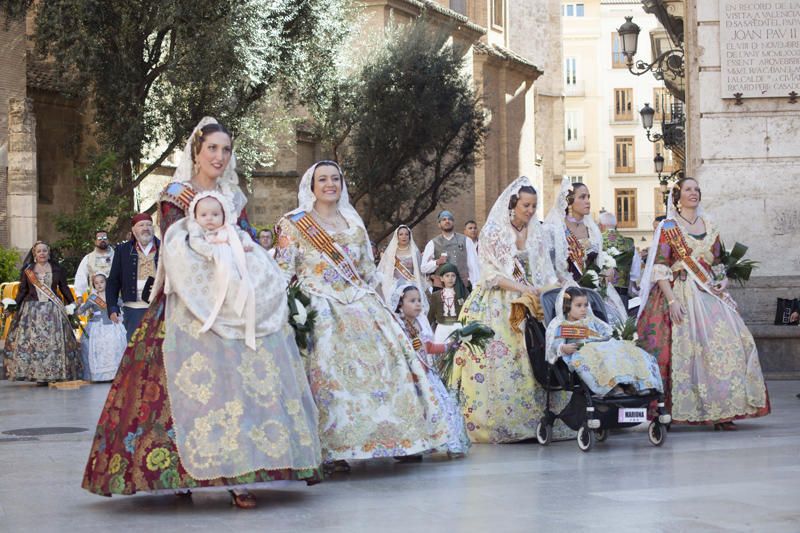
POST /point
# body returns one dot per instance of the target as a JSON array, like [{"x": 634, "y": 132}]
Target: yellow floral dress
[
  {"x": 501, "y": 400},
  {"x": 373, "y": 394}
]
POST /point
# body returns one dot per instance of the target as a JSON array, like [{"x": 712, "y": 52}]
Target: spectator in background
[
  {"x": 98, "y": 261},
  {"x": 133, "y": 272}
]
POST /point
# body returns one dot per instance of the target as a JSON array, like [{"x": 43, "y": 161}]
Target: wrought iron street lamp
[{"x": 669, "y": 63}]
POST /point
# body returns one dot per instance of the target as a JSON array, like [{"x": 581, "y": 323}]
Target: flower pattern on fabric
[
  {"x": 141, "y": 384},
  {"x": 259, "y": 377},
  {"x": 195, "y": 379},
  {"x": 158, "y": 459},
  {"x": 709, "y": 363},
  {"x": 215, "y": 434},
  {"x": 372, "y": 392},
  {"x": 271, "y": 438},
  {"x": 501, "y": 400}
]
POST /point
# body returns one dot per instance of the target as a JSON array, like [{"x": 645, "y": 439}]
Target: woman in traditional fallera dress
[
  {"x": 688, "y": 321},
  {"x": 104, "y": 341},
  {"x": 175, "y": 417},
  {"x": 41, "y": 344},
  {"x": 576, "y": 242},
  {"x": 407, "y": 303},
  {"x": 501, "y": 400},
  {"x": 373, "y": 394},
  {"x": 400, "y": 263}
]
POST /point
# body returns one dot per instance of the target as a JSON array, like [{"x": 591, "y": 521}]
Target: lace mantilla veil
[
  {"x": 386, "y": 267},
  {"x": 559, "y": 319},
  {"x": 499, "y": 236},
  {"x": 557, "y": 227},
  {"x": 306, "y": 199},
  {"x": 646, "y": 284}
]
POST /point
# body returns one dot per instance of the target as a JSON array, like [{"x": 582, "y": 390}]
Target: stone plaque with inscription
[{"x": 759, "y": 47}]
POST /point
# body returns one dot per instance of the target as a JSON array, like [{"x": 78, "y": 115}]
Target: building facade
[
  {"x": 606, "y": 146},
  {"x": 742, "y": 76},
  {"x": 505, "y": 63}
]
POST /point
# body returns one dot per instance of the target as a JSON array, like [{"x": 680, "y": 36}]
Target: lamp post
[
  {"x": 663, "y": 181},
  {"x": 669, "y": 63}
]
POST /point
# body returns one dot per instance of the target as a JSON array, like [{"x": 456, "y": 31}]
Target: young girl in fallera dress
[
  {"x": 407, "y": 302},
  {"x": 104, "y": 342},
  {"x": 608, "y": 366},
  {"x": 445, "y": 305}
]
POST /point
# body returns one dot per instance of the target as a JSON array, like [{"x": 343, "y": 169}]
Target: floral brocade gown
[
  {"x": 709, "y": 363},
  {"x": 373, "y": 394},
  {"x": 500, "y": 398},
  {"x": 134, "y": 447}
]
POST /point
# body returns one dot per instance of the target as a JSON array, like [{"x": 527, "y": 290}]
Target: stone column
[{"x": 22, "y": 177}]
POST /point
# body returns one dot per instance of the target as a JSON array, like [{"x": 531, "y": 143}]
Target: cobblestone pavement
[{"x": 700, "y": 480}]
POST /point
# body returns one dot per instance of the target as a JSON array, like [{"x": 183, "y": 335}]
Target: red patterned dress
[{"x": 134, "y": 445}]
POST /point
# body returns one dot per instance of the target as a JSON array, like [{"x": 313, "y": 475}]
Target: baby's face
[{"x": 208, "y": 213}]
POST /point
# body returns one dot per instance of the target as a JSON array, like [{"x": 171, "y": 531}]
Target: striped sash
[
  {"x": 47, "y": 291},
  {"x": 575, "y": 252},
  {"x": 324, "y": 244},
  {"x": 576, "y": 332},
  {"x": 400, "y": 267}
]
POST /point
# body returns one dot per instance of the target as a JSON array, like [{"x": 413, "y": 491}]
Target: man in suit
[{"x": 133, "y": 271}]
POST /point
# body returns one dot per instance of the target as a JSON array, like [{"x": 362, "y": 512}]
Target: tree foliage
[
  {"x": 153, "y": 68},
  {"x": 414, "y": 128}
]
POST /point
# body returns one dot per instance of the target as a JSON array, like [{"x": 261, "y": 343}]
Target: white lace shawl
[{"x": 497, "y": 243}]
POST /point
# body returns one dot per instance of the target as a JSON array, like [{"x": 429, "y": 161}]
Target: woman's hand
[
  {"x": 720, "y": 287},
  {"x": 568, "y": 349},
  {"x": 676, "y": 312}
]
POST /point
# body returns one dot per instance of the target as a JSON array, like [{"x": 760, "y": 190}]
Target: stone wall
[
  {"x": 22, "y": 175},
  {"x": 746, "y": 157},
  {"x": 747, "y": 160},
  {"x": 12, "y": 85},
  {"x": 58, "y": 140},
  {"x": 543, "y": 47}
]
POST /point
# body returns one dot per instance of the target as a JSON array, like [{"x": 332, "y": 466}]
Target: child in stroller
[{"x": 612, "y": 381}]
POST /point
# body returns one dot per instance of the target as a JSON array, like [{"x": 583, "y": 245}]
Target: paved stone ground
[{"x": 700, "y": 480}]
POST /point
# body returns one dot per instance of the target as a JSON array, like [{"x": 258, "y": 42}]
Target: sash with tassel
[
  {"x": 677, "y": 243},
  {"x": 47, "y": 291},
  {"x": 400, "y": 267},
  {"x": 325, "y": 245},
  {"x": 575, "y": 252},
  {"x": 576, "y": 332}
]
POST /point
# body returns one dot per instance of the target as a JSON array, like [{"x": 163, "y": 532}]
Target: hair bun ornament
[{"x": 567, "y": 296}]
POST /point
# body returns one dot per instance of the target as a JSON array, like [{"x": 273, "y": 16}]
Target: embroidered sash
[
  {"x": 576, "y": 332},
  {"x": 519, "y": 272},
  {"x": 94, "y": 298},
  {"x": 679, "y": 247},
  {"x": 400, "y": 267},
  {"x": 677, "y": 243},
  {"x": 575, "y": 252},
  {"x": 47, "y": 291},
  {"x": 324, "y": 244}
]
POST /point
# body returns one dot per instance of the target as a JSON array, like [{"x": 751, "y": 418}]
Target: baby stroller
[{"x": 590, "y": 415}]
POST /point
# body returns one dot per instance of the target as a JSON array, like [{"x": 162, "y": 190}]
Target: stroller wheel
[
  {"x": 544, "y": 432},
  {"x": 657, "y": 433},
  {"x": 601, "y": 434},
  {"x": 585, "y": 438}
]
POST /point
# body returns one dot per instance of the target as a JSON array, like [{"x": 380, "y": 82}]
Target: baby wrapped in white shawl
[{"x": 217, "y": 270}]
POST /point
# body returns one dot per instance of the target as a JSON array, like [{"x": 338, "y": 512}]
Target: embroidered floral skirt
[
  {"x": 102, "y": 346},
  {"x": 41, "y": 345},
  {"x": 709, "y": 364},
  {"x": 373, "y": 394},
  {"x": 603, "y": 365},
  {"x": 500, "y": 398},
  {"x": 134, "y": 445}
]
